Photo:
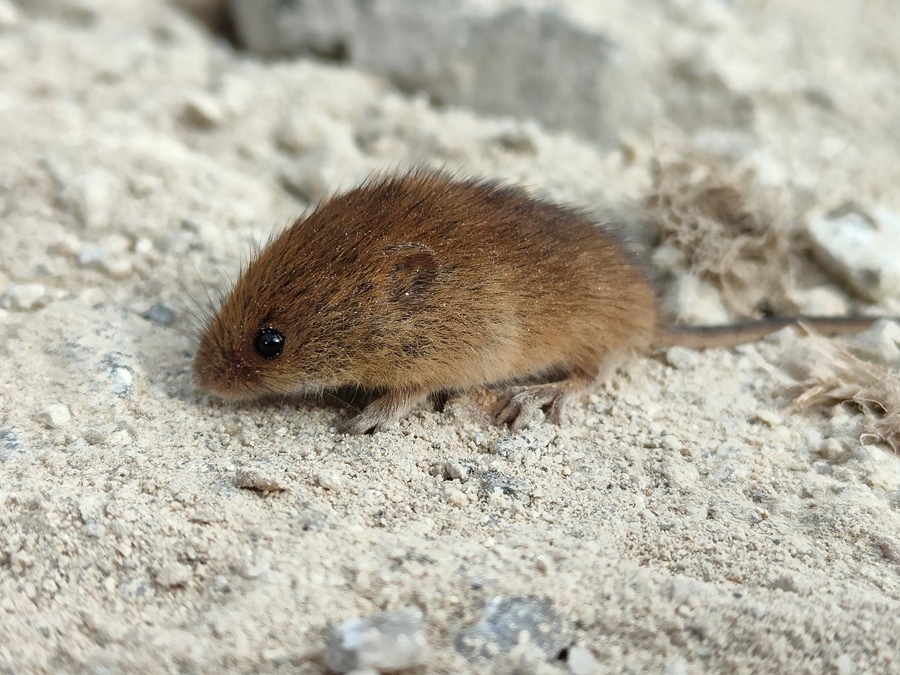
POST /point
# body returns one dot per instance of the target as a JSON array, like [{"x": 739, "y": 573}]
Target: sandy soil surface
[{"x": 683, "y": 520}]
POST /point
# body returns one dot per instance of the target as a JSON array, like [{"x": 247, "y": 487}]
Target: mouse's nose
[{"x": 225, "y": 375}]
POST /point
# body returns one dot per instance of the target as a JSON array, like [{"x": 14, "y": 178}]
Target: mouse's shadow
[
  {"x": 173, "y": 374},
  {"x": 177, "y": 382}
]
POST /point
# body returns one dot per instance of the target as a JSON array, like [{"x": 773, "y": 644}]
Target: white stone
[
  {"x": 99, "y": 258},
  {"x": 173, "y": 575},
  {"x": 694, "y": 301},
  {"x": 23, "y": 297},
  {"x": 55, "y": 415},
  {"x": 682, "y": 358},
  {"x": 204, "y": 110},
  {"x": 455, "y": 497},
  {"x": 329, "y": 160},
  {"x": 387, "y": 641},
  {"x": 581, "y": 662},
  {"x": 92, "y": 256},
  {"x": 881, "y": 342},
  {"x": 862, "y": 246},
  {"x": 90, "y": 196},
  {"x": 10, "y": 17},
  {"x": 820, "y": 301},
  {"x": 330, "y": 480},
  {"x": 122, "y": 380}
]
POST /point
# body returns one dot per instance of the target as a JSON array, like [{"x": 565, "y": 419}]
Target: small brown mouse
[{"x": 420, "y": 283}]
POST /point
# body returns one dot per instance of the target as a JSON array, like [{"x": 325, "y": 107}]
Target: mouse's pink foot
[
  {"x": 519, "y": 405},
  {"x": 383, "y": 412}
]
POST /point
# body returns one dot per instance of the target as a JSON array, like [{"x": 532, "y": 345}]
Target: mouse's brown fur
[{"x": 420, "y": 283}]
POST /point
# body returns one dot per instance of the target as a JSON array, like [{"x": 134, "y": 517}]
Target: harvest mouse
[{"x": 421, "y": 283}]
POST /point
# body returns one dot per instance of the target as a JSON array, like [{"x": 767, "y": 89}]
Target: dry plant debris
[
  {"x": 835, "y": 376},
  {"x": 726, "y": 231}
]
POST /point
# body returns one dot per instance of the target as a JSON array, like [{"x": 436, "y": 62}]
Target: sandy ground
[{"x": 683, "y": 520}]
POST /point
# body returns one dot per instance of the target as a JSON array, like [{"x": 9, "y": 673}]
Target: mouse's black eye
[{"x": 268, "y": 343}]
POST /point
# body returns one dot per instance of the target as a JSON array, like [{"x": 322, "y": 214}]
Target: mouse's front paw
[
  {"x": 365, "y": 422},
  {"x": 381, "y": 413}
]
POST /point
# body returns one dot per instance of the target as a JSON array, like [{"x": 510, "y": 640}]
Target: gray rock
[
  {"x": 122, "y": 380},
  {"x": 493, "y": 481},
  {"x": 161, "y": 314},
  {"x": 99, "y": 258},
  {"x": 534, "y": 62},
  {"x": 121, "y": 374},
  {"x": 387, "y": 641},
  {"x": 503, "y": 622},
  {"x": 530, "y": 440},
  {"x": 862, "y": 246},
  {"x": 9, "y": 443},
  {"x": 458, "y": 469}
]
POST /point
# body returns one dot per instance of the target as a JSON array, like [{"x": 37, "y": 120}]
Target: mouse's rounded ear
[{"x": 411, "y": 269}]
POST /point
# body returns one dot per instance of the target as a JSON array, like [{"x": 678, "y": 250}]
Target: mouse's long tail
[{"x": 727, "y": 335}]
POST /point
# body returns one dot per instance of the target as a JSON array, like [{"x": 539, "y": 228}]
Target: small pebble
[
  {"x": 161, "y": 314},
  {"x": 581, "y": 662},
  {"x": 384, "y": 642},
  {"x": 527, "y": 441},
  {"x": 330, "y": 480},
  {"x": 769, "y": 418},
  {"x": 890, "y": 550},
  {"x": 682, "y": 358},
  {"x": 23, "y": 297},
  {"x": 203, "y": 110},
  {"x": 98, "y": 258},
  {"x": 330, "y": 159},
  {"x": 173, "y": 575},
  {"x": 89, "y": 197},
  {"x": 119, "y": 438},
  {"x": 792, "y": 583},
  {"x": 261, "y": 478},
  {"x": 458, "y": 469},
  {"x": 313, "y": 521},
  {"x": 92, "y": 256},
  {"x": 54, "y": 416},
  {"x": 505, "y": 620},
  {"x": 860, "y": 243},
  {"x": 9, "y": 443},
  {"x": 144, "y": 185},
  {"x": 122, "y": 380},
  {"x": 455, "y": 497},
  {"x": 494, "y": 481},
  {"x": 881, "y": 342},
  {"x": 833, "y": 450}
]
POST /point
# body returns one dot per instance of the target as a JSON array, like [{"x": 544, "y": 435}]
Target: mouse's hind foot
[
  {"x": 383, "y": 412},
  {"x": 519, "y": 405}
]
